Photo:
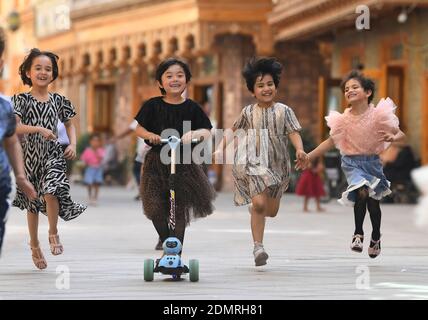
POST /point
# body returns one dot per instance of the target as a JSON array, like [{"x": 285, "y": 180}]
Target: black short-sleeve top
[{"x": 156, "y": 115}]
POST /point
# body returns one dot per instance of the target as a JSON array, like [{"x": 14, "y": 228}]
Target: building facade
[{"x": 109, "y": 51}]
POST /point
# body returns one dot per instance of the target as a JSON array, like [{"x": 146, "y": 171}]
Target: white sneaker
[{"x": 260, "y": 255}]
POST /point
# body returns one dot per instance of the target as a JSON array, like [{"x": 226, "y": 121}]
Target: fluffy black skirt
[{"x": 193, "y": 192}]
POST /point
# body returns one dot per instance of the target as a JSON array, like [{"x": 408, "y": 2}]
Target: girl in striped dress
[
  {"x": 261, "y": 167},
  {"x": 37, "y": 113}
]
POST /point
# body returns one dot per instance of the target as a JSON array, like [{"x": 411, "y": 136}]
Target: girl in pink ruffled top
[{"x": 361, "y": 133}]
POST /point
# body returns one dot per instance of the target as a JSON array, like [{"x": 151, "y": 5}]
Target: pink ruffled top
[
  {"x": 93, "y": 158},
  {"x": 359, "y": 134}
]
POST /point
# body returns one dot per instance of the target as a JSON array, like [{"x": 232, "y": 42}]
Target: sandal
[
  {"x": 374, "y": 248},
  {"x": 38, "y": 258},
  {"x": 55, "y": 244},
  {"x": 357, "y": 243}
]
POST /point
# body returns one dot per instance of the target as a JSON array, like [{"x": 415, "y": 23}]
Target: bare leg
[
  {"x": 33, "y": 226},
  {"x": 96, "y": 189},
  {"x": 262, "y": 206},
  {"x": 272, "y": 205},
  {"x": 258, "y": 218},
  {"x": 305, "y": 204},
  {"x": 319, "y": 205},
  {"x": 52, "y": 207},
  {"x": 36, "y": 252},
  {"x": 90, "y": 192}
]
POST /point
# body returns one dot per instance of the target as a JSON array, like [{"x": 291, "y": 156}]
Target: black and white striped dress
[
  {"x": 261, "y": 160},
  {"x": 44, "y": 161}
]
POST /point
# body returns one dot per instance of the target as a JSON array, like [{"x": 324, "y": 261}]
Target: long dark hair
[
  {"x": 366, "y": 83},
  {"x": 28, "y": 61}
]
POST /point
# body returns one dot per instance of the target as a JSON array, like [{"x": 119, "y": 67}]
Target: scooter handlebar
[{"x": 174, "y": 139}]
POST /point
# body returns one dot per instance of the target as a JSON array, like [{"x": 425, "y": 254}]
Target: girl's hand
[
  {"x": 26, "y": 187},
  {"x": 46, "y": 133},
  {"x": 302, "y": 160},
  {"x": 154, "y": 138},
  {"x": 301, "y": 155},
  {"x": 187, "y": 137},
  {"x": 385, "y": 136},
  {"x": 70, "y": 152},
  {"x": 301, "y": 164}
]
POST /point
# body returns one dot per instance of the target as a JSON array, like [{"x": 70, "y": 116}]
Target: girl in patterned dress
[
  {"x": 37, "y": 113},
  {"x": 261, "y": 168},
  {"x": 361, "y": 133}
]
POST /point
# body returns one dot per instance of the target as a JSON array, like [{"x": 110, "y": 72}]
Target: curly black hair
[
  {"x": 165, "y": 64},
  {"x": 28, "y": 61},
  {"x": 257, "y": 67},
  {"x": 367, "y": 83}
]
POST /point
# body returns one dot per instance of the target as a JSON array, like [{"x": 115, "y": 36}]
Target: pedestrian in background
[
  {"x": 310, "y": 185},
  {"x": 93, "y": 156}
]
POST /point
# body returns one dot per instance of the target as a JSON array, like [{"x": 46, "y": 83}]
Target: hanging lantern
[{"x": 13, "y": 21}]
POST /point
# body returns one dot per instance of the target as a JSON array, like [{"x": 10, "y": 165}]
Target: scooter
[{"x": 171, "y": 262}]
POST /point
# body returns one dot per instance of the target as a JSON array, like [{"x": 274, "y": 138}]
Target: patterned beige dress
[{"x": 261, "y": 159}]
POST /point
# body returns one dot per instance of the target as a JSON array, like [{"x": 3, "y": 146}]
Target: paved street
[{"x": 309, "y": 255}]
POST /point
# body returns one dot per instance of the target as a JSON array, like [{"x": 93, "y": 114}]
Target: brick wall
[{"x": 303, "y": 65}]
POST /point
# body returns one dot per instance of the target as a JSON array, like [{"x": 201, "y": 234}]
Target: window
[{"x": 396, "y": 52}]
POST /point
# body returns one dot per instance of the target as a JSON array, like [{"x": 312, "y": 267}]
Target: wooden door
[{"x": 103, "y": 108}]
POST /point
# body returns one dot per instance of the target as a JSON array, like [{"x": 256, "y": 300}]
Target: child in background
[
  {"x": 110, "y": 161},
  {"x": 310, "y": 185},
  {"x": 93, "y": 157}
]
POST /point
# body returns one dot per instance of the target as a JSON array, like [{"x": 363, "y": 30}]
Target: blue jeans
[
  {"x": 364, "y": 170},
  {"x": 4, "y": 206},
  {"x": 93, "y": 176}
]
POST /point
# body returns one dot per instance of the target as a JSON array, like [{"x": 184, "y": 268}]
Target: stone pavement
[{"x": 309, "y": 255}]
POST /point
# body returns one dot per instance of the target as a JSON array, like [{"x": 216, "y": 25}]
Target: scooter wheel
[
  {"x": 176, "y": 277},
  {"x": 148, "y": 269},
  {"x": 193, "y": 270}
]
